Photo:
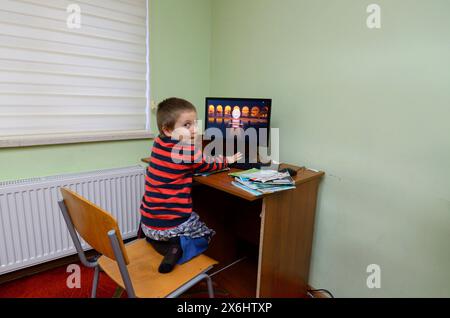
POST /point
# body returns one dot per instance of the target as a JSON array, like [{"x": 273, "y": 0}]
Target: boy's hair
[{"x": 169, "y": 110}]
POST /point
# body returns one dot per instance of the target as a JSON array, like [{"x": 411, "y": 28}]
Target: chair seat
[{"x": 143, "y": 269}]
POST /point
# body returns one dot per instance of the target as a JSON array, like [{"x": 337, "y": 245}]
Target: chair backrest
[{"x": 93, "y": 224}]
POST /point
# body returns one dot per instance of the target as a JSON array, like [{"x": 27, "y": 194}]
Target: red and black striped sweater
[{"x": 167, "y": 200}]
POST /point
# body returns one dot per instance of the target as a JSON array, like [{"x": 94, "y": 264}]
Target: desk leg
[
  {"x": 287, "y": 227},
  {"x": 260, "y": 253}
]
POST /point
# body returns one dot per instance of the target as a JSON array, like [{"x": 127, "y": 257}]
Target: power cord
[{"x": 311, "y": 291}]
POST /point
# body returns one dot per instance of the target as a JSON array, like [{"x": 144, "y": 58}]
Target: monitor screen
[{"x": 230, "y": 114}]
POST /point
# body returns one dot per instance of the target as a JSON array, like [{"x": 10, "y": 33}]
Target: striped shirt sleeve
[{"x": 203, "y": 163}]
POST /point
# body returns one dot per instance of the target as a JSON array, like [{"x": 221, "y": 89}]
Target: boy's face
[{"x": 185, "y": 127}]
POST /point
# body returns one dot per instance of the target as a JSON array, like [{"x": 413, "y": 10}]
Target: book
[
  {"x": 261, "y": 188},
  {"x": 237, "y": 174},
  {"x": 286, "y": 180},
  {"x": 247, "y": 189},
  {"x": 253, "y": 185},
  {"x": 264, "y": 187},
  {"x": 275, "y": 189},
  {"x": 267, "y": 176},
  {"x": 259, "y": 182}
]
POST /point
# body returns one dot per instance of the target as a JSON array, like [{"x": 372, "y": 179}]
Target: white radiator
[{"x": 32, "y": 229}]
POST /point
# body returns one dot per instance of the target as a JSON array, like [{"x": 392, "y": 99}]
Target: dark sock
[
  {"x": 170, "y": 259},
  {"x": 171, "y": 250}
]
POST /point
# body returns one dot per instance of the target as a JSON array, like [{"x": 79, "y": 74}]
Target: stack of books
[{"x": 259, "y": 182}]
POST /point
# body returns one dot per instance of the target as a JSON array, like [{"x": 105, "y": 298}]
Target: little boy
[{"x": 167, "y": 219}]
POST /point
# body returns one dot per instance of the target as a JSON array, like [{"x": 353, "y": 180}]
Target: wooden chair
[{"x": 133, "y": 266}]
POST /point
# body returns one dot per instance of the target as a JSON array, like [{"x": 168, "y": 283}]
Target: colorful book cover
[{"x": 247, "y": 189}]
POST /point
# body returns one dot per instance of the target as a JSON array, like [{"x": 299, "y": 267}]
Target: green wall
[
  {"x": 180, "y": 50},
  {"x": 368, "y": 107},
  {"x": 180, "y": 66}
]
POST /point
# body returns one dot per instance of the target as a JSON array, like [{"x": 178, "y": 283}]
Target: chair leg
[
  {"x": 95, "y": 282},
  {"x": 210, "y": 286}
]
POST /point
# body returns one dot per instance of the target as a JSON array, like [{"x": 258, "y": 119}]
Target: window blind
[{"x": 57, "y": 80}]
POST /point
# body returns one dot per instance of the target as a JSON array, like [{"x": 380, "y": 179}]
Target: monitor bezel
[{"x": 268, "y": 100}]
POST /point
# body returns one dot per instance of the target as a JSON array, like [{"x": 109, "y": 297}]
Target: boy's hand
[{"x": 234, "y": 158}]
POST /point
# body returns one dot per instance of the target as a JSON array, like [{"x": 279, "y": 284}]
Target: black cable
[{"x": 321, "y": 290}]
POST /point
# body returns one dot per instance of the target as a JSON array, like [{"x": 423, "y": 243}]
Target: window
[{"x": 73, "y": 71}]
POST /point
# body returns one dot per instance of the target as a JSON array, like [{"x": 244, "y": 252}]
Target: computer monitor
[{"x": 230, "y": 115}]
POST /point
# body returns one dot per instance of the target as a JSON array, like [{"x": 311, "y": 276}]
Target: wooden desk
[{"x": 273, "y": 231}]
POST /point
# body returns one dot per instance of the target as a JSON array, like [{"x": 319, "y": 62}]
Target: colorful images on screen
[{"x": 238, "y": 116}]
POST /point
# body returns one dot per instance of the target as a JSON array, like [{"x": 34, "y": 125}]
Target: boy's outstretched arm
[{"x": 209, "y": 164}]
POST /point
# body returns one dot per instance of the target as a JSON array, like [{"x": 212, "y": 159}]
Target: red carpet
[{"x": 52, "y": 284}]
